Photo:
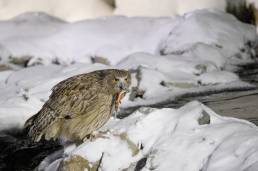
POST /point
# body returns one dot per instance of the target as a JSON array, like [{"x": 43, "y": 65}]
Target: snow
[
  {"x": 82, "y": 40},
  {"x": 172, "y": 139},
  {"x": 218, "y": 77},
  {"x": 168, "y": 57}
]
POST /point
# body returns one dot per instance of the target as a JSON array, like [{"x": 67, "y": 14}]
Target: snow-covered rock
[
  {"x": 211, "y": 29},
  {"x": 173, "y": 140}
]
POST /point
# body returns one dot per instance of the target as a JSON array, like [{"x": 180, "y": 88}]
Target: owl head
[{"x": 117, "y": 80}]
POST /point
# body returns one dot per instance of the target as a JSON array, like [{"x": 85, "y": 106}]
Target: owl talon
[{"x": 95, "y": 135}]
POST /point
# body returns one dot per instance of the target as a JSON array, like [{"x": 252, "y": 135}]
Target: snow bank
[
  {"x": 112, "y": 38},
  {"x": 57, "y": 41},
  {"x": 191, "y": 138}
]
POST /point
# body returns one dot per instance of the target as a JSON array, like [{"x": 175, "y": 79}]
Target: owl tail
[
  {"x": 37, "y": 125},
  {"x": 29, "y": 128},
  {"x": 29, "y": 122}
]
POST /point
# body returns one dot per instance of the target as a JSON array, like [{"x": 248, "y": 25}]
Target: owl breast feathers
[{"x": 79, "y": 105}]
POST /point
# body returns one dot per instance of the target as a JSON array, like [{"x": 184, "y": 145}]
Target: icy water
[{"x": 20, "y": 154}]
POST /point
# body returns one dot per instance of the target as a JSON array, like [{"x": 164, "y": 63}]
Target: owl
[{"x": 79, "y": 105}]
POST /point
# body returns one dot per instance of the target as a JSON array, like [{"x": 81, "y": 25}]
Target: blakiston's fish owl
[{"x": 79, "y": 105}]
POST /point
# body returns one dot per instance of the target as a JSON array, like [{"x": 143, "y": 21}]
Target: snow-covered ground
[{"x": 167, "y": 57}]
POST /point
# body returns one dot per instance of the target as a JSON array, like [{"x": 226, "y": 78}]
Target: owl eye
[
  {"x": 126, "y": 79},
  {"x": 116, "y": 80}
]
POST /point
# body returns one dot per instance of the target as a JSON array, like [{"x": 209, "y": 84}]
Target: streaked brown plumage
[{"x": 79, "y": 105}]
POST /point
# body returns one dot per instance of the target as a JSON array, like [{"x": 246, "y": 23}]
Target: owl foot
[{"x": 91, "y": 137}]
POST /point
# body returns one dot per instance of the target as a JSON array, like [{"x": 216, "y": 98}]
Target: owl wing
[
  {"x": 74, "y": 97},
  {"x": 70, "y": 98}
]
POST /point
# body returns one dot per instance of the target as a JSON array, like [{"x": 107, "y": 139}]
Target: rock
[
  {"x": 135, "y": 150},
  {"x": 204, "y": 119},
  {"x": 4, "y": 67},
  {"x": 140, "y": 164},
  {"x": 178, "y": 84},
  {"x": 136, "y": 93},
  {"x": 22, "y": 61},
  {"x": 146, "y": 110},
  {"x": 100, "y": 60},
  {"x": 75, "y": 162}
]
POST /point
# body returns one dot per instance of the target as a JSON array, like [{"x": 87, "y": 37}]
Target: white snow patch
[{"x": 216, "y": 77}]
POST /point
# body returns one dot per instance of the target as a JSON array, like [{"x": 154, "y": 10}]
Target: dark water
[{"x": 18, "y": 153}]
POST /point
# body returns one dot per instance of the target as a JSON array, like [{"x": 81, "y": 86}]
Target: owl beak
[{"x": 122, "y": 86}]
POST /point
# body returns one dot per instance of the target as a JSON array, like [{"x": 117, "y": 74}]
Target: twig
[{"x": 100, "y": 160}]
